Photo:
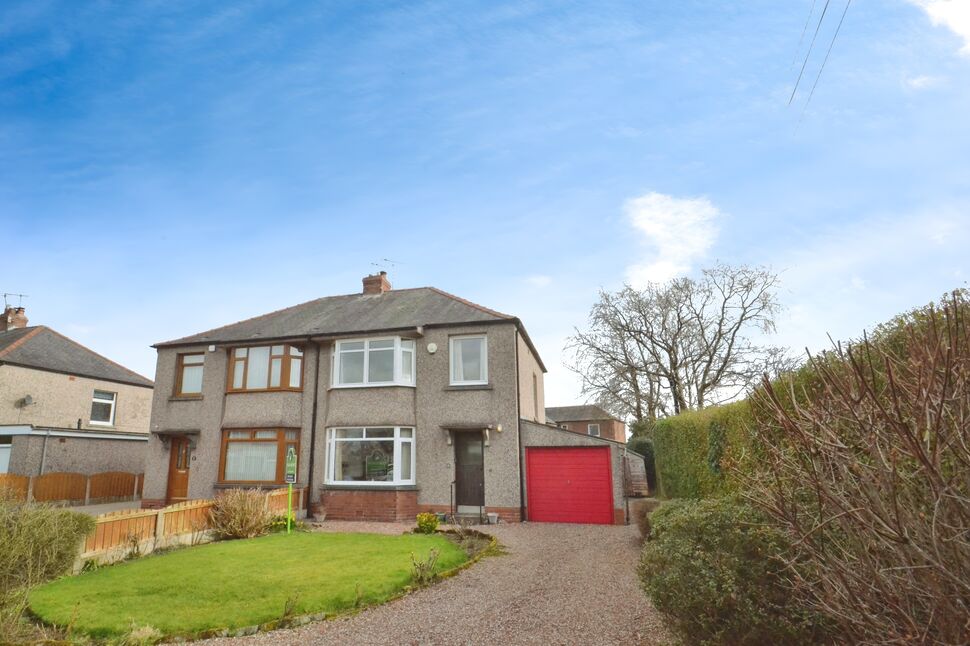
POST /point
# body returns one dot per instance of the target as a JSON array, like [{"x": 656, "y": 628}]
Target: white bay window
[
  {"x": 370, "y": 456},
  {"x": 373, "y": 362}
]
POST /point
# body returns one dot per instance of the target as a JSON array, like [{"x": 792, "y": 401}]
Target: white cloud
[
  {"x": 679, "y": 230},
  {"x": 922, "y": 82},
  {"x": 538, "y": 280},
  {"x": 952, "y": 14}
]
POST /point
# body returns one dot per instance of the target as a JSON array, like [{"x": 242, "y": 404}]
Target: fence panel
[
  {"x": 59, "y": 486},
  {"x": 120, "y": 528},
  {"x": 112, "y": 484},
  {"x": 15, "y": 484},
  {"x": 186, "y": 517}
]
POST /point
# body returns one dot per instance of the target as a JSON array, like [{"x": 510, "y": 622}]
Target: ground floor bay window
[
  {"x": 256, "y": 456},
  {"x": 370, "y": 456}
]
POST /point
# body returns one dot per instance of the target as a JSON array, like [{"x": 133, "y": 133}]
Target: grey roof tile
[{"x": 41, "y": 347}]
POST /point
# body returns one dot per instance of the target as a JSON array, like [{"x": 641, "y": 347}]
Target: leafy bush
[
  {"x": 240, "y": 513},
  {"x": 717, "y": 571},
  {"x": 870, "y": 466},
  {"x": 37, "y": 543},
  {"x": 691, "y": 450},
  {"x": 427, "y": 523},
  {"x": 644, "y": 447},
  {"x": 643, "y": 522}
]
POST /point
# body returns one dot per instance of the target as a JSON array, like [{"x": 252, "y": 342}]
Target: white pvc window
[
  {"x": 469, "y": 360},
  {"x": 593, "y": 429},
  {"x": 373, "y": 362},
  {"x": 103, "y": 408},
  {"x": 370, "y": 456}
]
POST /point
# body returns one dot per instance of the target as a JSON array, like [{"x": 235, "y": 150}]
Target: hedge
[{"x": 691, "y": 450}]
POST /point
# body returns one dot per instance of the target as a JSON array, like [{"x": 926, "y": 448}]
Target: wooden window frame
[
  {"x": 180, "y": 369},
  {"x": 285, "y": 365},
  {"x": 281, "y": 445},
  {"x": 589, "y": 429}
]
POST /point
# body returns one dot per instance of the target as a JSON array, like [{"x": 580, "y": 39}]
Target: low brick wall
[
  {"x": 361, "y": 504},
  {"x": 505, "y": 514}
]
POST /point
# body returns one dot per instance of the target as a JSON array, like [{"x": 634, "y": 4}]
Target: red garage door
[{"x": 569, "y": 484}]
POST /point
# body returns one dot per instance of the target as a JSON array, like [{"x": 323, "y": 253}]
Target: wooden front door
[
  {"x": 469, "y": 472},
  {"x": 178, "y": 470}
]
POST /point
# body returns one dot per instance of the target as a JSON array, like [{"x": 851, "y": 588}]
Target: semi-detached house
[{"x": 394, "y": 401}]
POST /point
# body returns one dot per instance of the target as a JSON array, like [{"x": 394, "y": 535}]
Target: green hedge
[{"x": 691, "y": 450}]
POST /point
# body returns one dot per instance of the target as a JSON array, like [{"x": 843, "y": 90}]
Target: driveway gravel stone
[{"x": 556, "y": 584}]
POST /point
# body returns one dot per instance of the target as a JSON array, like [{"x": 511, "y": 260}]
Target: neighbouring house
[
  {"x": 393, "y": 401},
  {"x": 64, "y": 407},
  {"x": 588, "y": 419}
]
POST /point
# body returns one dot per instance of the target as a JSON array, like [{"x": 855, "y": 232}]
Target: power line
[
  {"x": 809, "y": 54},
  {"x": 801, "y": 38},
  {"x": 825, "y": 60}
]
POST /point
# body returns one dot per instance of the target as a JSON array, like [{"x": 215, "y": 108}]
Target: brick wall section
[{"x": 383, "y": 505}]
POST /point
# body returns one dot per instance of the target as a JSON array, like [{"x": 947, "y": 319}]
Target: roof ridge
[
  {"x": 19, "y": 342},
  {"x": 465, "y": 301},
  {"x": 98, "y": 354}
]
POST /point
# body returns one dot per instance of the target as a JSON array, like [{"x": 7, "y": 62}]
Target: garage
[{"x": 569, "y": 484}]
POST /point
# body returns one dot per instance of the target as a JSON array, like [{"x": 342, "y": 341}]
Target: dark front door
[
  {"x": 178, "y": 470},
  {"x": 469, "y": 471}
]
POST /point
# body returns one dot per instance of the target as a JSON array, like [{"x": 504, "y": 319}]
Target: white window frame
[
  {"x": 114, "y": 407},
  {"x": 332, "y": 440},
  {"x": 453, "y": 361},
  {"x": 589, "y": 430},
  {"x": 399, "y": 378}
]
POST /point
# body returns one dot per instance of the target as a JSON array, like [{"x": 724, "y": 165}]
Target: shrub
[
  {"x": 643, "y": 522},
  {"x": 870, "y": 467},
  {"x": 427, "y": 523},
  {"x": 37, "y": 543},
  {"x": 423, "y": 572},
  {"x": 692, "y": 449},
  {"x": 717, "y": 571},
  {"x": 240, "y": 513}
]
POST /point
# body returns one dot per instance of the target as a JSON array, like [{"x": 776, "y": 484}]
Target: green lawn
[{"x": 238, "y": 583}]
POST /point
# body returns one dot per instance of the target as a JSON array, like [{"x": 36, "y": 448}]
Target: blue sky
[{"x": 167, "y": 167}]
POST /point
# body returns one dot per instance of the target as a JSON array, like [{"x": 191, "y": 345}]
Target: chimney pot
[
  {"x": 376, "y": 283},
  {"x": 13, "y": 317}
]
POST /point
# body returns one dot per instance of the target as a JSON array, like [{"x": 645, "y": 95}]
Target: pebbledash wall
[
  {"x": 35, "y": 452},
  {"x": 431, "y": 406}
]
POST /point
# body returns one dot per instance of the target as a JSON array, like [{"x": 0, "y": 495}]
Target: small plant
[
  {"x": 141, "y": 636},
  {"x": 427, "y": 523},
  {"x": 423, "y": 571},
  {"x": 290, "y": 606},
  {"x": 643, "y": 522},
  {"x": 240, "y": 513}
]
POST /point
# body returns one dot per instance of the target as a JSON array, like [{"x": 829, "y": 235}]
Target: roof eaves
[{"x": 104, "y": 358}]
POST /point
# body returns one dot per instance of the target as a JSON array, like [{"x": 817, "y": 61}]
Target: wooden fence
[
  {"x": 118, "y": 533},
  {"x": 75, "y": 488}
]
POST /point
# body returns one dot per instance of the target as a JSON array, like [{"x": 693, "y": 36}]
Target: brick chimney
[
  {"x": 14, "y": 317},
  {"x": 376, "y": 283}
]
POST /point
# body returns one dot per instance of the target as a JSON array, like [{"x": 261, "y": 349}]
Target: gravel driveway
[{"x": 558, "y": 584}]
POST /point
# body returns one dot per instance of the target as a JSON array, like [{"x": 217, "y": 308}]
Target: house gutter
[
  {"x": 518, "y": 429},
  {"x": 313, "y": 429}
]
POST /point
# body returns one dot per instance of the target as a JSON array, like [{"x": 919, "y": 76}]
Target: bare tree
[{"x": 681, "y": 345}]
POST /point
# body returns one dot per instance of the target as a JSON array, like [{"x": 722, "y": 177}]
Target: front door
[
  {"x": 469, "y": 472},
  {"x": 178, "y": 470}
]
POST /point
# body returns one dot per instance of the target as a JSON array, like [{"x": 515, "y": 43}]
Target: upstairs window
[
  {"x": 469, "y": 360},
  {"x": 374, "y": 362},
  {"x": 103, "y": 408},
  {"x": 188, "y": 375},
  {"x": 268, "y": 367},
  {"x": 593, "y": 429}
]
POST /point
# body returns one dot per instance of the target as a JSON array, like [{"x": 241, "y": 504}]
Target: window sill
[
  {"x": 469, "y": 387},
  {"x": 353, "y": 386},
  {"x": 185, "y": 398},
  {"x": 264, "y": 390},
  {"x": 104, "y": 427},
  {"x": 363, "y": 487}
]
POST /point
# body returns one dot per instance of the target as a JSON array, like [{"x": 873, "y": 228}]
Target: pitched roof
[
  {"x": 396, "y": 309},
  {"x": 577, "y": 413},
  {"x": 40, "y": 347}
]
